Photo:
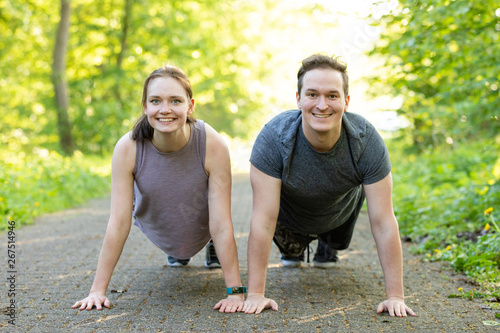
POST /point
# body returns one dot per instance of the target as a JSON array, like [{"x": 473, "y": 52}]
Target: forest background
[{"x": 426, "y": 73}]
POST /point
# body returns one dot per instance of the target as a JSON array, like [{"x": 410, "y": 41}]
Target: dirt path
[{"x": 57, "y": 256}]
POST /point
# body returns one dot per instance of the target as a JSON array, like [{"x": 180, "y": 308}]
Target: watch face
[{"x": 236, "y": 290}]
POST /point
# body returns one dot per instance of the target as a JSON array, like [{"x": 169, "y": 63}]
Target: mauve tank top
[{"x": 171, "y": 195}]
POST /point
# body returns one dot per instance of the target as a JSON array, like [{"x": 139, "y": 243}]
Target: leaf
[{"x": 491, "y": 323}]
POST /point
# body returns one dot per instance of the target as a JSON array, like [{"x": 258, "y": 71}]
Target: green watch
[{"x": 236, "y": 290}]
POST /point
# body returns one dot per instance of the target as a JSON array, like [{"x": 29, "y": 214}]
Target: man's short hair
[{"x": 323, "y": 61}]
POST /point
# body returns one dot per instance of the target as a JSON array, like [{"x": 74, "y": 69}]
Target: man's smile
[{"x": 319, "y": 115}]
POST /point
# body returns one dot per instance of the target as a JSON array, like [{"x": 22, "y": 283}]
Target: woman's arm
[
  {"x": 218, "y": 168},
  {"x": 122, "y": 191}
]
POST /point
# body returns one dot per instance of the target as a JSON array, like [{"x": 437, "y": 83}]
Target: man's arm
[
  {"x": 385, "y": 231},
  {"x": 266, "y": 201}
]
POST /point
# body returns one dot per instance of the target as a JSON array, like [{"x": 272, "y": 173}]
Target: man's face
[{"x": 322, "y": 101}]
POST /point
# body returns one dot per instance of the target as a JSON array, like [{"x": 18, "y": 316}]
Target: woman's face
[{"x": 167, "y": 104}]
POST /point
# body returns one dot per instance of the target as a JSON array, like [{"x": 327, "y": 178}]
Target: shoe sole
[
  {"x": 328, "y": 264},
  {"x": 177, "y": 264},
  {"x": 212, "y": 265},
  {"x": 290, "y": 263}
]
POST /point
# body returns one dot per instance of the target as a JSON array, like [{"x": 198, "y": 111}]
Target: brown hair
[
  {"x": 142, "y": 129},
  {"x": 323, "y": 61}
]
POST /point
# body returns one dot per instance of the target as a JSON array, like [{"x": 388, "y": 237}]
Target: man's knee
[{"x": 290, "y": 242}]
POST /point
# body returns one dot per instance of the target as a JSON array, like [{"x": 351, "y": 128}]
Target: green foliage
[
  {"x": 475, "y": 294},
  {"x": 110, "y": 53},
  {"x": 46, "y": 182},
  {"x": 441, "y": 56},
  {"x": 446, "y": 200}
]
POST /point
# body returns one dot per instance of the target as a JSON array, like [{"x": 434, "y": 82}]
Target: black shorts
[{"x": 293, "y": 243}]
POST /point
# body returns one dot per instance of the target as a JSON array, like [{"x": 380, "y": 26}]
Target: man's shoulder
[
  {"x": 284, "y": 126},
  {"x": 356, "y": 125},
  {"x": 283, "y": 120},
  {"x": 280, "y": 131}
]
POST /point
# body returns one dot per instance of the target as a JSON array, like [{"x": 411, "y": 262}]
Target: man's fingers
[
  {"x": 399, "y": 309},
  {"x": 259, "y": 306},
  {"x": 251, "y": 309}
]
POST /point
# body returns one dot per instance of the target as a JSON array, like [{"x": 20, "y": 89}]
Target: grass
[
  {"x": 447, "y": 201},
  {"x": 43, "y": 182}
]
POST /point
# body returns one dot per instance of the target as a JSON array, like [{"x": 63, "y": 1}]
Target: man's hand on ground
[
  {"x": 395, "y": 306},
  {"x": 255, "y": 303}
]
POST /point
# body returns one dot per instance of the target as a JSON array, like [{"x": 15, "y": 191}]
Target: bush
[
  {"x": 45, "y": 181},
  {"x": 444, "y": 199}
]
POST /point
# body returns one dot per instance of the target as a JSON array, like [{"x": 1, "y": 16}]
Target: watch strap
[{"x": 236, "y": 290}]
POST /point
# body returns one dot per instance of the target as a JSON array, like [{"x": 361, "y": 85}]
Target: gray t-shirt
[{"x": 320, "y": 190}]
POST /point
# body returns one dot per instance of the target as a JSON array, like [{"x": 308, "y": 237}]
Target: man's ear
[{"x": 347, "y": 100}]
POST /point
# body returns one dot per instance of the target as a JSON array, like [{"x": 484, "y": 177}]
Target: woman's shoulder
[
  {"x": 125, "y": 150},
  {"x": 214, "y": 138},
  {"x": 217, "y": 153},
  {"x": 126, "y": 143}
]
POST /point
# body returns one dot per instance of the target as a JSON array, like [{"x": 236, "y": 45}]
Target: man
[{"x": 311, "y": 170}]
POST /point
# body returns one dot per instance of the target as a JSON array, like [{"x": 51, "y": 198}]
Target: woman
[{"x": 173, "y": 173}]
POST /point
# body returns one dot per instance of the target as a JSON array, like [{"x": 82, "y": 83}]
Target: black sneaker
[
  {"x": 174, "y": 262},
  {"x": 325, "y": 256},
  {"x": 211, "y": 260},
  {"x": 289, "y": 261}
]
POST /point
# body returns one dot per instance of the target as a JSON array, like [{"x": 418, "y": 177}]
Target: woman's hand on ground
[
  {"x": 233, "y": 303},
  {"x": 96, "y": 299}
]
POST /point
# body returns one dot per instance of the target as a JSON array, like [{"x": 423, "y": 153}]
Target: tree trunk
[
  {"x": 60, "y": 82},
  {"x": 123, "y": 49},
  {"x": 125, "y": 28}
]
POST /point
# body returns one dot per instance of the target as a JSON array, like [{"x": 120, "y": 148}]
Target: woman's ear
[{"x": 191, "y": 108}]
